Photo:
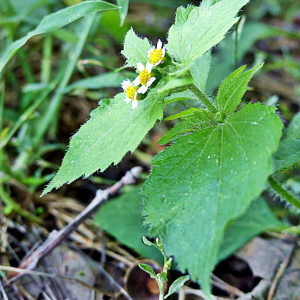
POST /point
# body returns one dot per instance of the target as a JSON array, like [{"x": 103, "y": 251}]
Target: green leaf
[
  {"x": 198, "y": 29},
  {"x": 123, "y": 10},
  {"x": 288, "y": 152},
  {"x": 148, "y": 269},
  {"x": 257, "y": 219},
  {"x": 112, "y": 131},
  {"x": 147, "y": 243},
  {"x": 177, "y": 285},
  {"x": 109, "y": 79},
  {"x": 121, "y": 217},
  {"x": 173, "y": 83},
  {"x": 195, "y": 119},
  {"x": 55, "y": 21},
  {"x": 207, "y": 178},
  {"x": 233, "y": 88},
  {"x": 200, "y": 70},
  {"x": 185, "y": 113},
  {"x": 135, "y": 49}
]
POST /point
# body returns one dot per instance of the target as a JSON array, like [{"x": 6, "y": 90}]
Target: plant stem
[
  {"x": 203, "y": 98},
  {"x": 277, "y": 187},
  {"x": 10, "y": 202}
]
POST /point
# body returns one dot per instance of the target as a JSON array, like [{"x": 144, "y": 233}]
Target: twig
[
  {"x": 225, "y": 286},
  {"x": 56, "y": 237},
  {"x": 37, "y": 273},
  {"x": 279, "y": 274}
]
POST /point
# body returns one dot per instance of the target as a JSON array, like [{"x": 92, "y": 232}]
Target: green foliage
[
  {"x": 109, "y": 79},
  {"x": 122, "y": 216},
  {"x": 135, "y": 49},
  {"x": 257, "y": 219},
  {"x": 198, "y": 29},
  {"x": 177, "y": 285},
  {"x": 123, "y": 10},
  {"x": 161, "y": 278},
  {"x": 200, "y": 70},
  {"x": 55, "y": 21},
  {"x": 206, "y": 179},
  {"x": 112, "y": 131},
  {"x": 288, "y": 152},
  {"x": 148, "y": 269},
  {"x": 233, "y": 88}
]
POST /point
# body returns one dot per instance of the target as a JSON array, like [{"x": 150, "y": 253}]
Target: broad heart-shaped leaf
[
  {"x": 55, "y": 21},
  {"x": 257, "y": 219},
  {"x": 107, "y": 136},
  {"x": 135, "y": 49},
  {"x": 198, "y": 29},
  {"x": 233, "y": 88},
  {"x": 288, "y": 152},
  {"x": 207, "y": 178}
]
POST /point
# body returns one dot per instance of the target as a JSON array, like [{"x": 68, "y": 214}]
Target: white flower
[
  {"x": 156, "y": 56},
  {"x": 144, "y": 78},
  {"x": 131, "y": 92}
]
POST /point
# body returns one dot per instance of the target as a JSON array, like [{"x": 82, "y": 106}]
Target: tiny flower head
[
  {"x": 131, "y": 92},
  {"x": 156, "y": 56},
  {"x": 144, "y": 78}
]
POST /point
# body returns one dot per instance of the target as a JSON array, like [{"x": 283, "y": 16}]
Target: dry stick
[
  {"x": 279, "y": 274},
  {"x": 226, "y": 287},
  {"x": 56, "y": 237}
]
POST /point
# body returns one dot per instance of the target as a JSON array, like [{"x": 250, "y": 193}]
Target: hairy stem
[
  {"x": 277, "y": 187},
  {"x": 202, "y": 97}
]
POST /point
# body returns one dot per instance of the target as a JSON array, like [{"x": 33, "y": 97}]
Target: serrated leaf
[
  {"x": 55, "y": 21},
  {"x": 113, "y": 129},
  {"x": 177, "y": 285},
  {"x": 148, "y": 269},
  {"x": 257, "y": 219},
  {"x": 233, "y": 88},
  {"x": 196, "y": 119},
  {"x": 121, "y": 217},
  {"x": 135, "y": 49},
  {"x": 288, "y": 152},
  {"x": 204, "y": 180},
  {"x": 198, "y": 29},
  {"x": 200, "y": 70}
]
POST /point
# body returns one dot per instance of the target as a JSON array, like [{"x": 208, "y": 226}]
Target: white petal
[
  {"x": 140, "y": 66},
  {"x": 163, "y": 52},
  {"x": 159, "y": 44},
  {"x": 127, "y": 100},
  {"x": 149, "y": 67},
  {"x": 136, "y": 81},
  {"x": 135, "y": 96},
  {"x": 143, "y": 89},
  {"x": 125, "y": 84},
  {"x": 134, "y": 104},
  {"x": 150, "y": 81}
]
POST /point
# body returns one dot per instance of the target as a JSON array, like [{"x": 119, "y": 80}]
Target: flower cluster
[{"x": 144, "y": 80}]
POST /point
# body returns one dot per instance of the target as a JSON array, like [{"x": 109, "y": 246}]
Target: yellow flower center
[
  {"x": 155, "y": 56},
  {"x": 130, "y": 91},
  {"x": 144, "y": 77}
]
